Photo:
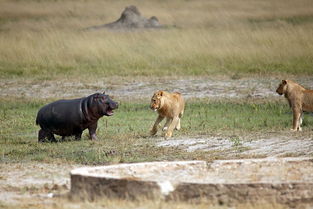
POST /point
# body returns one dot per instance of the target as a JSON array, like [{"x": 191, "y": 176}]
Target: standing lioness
[
  {"x": 299, "y": 98},
  {"x": 170, "y": 106}
]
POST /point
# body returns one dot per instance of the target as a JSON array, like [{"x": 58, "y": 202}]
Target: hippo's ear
[{"x": 96, "y": 96}]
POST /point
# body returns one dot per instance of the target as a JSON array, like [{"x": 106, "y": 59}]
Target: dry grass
[{"x": 40, "y": 37}]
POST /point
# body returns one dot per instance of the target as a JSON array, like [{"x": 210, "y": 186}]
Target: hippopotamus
[{"x": 72, "y": 117}]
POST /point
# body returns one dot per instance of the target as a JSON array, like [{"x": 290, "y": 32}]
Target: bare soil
[
  {"x": 270, "y": 145},
  {"x": 33, "y": 183},
  {"x": 143, "y": 88}
]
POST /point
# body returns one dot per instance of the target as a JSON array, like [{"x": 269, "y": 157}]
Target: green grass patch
[{"x": 124, "y": 137}]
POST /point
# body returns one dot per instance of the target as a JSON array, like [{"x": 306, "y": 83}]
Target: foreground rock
[
  {"x": 130, "y": 19},
  {"x": 286, "y": 181}
]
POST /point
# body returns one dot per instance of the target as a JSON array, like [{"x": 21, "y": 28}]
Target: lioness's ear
[
  {"x": 103, "y": 92},
  {"x": 284, "y": 82},
  {"x": 161, "y": 93}
]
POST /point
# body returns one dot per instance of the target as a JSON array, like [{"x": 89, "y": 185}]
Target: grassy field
[
  {"x": 124, "y": 137},
  {"x": 44, "y": 39}
]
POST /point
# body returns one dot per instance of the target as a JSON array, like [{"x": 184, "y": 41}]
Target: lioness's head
[
  {"x": 282, "y": 88},
  {"x": 156, "y": 100}
]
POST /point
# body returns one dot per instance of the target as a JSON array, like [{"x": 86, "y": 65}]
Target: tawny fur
[
  {"x": 299, "y": 99},
  {"x": 170, "y": 106}
]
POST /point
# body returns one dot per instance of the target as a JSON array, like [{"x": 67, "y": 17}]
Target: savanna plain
[{"x": 225, "y": 57}]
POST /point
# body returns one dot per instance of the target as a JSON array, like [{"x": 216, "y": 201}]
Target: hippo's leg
[
  {"x": 51, "y": 137},
  {"x": 41, "y": 135},
  {"x": 92, "y": 131},
  {"x": 78, "y": 136}
]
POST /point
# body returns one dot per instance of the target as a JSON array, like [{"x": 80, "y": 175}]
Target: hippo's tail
[{"x": 37, "y": 119}]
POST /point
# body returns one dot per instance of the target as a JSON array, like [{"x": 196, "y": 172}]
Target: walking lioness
[
  {"x": 299, "y": 98},
  {"x": 170, "y": 106}
]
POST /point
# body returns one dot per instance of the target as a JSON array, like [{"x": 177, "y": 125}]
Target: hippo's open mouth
[{"x": 109, "y": 112}]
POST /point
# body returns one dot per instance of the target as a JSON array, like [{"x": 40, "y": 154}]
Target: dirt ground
[
  {"x": 32, "y": 184},
  {"x": 143, "y": 88},
  {"x": 270, "y": 145},
  {"x": 37, "y": 183}
]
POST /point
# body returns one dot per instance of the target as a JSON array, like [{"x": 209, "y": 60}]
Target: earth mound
[{"x": 130, "y": 19}]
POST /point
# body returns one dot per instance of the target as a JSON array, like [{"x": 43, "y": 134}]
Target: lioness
[
  {"x": 299, "y": 98},
  {"x": 170, "y": 106}
]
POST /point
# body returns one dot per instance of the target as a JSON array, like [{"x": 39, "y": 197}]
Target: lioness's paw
[
  {"x": 168, "y": 135},
  {"x": 153, "y": 132},
  {"x": 165, "y": 128},
  {"x": 293, "y": 130}
]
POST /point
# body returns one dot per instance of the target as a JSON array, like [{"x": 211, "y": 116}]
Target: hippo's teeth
[{"x": 110, "y": 113}]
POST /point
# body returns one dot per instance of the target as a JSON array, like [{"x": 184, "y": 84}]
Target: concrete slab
[{"x": 279, "y": 180}]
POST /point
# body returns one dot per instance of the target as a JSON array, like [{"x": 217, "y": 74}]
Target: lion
[
  {"x": 170, "y": 106},
  {"x": 299, "y": 99}
]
